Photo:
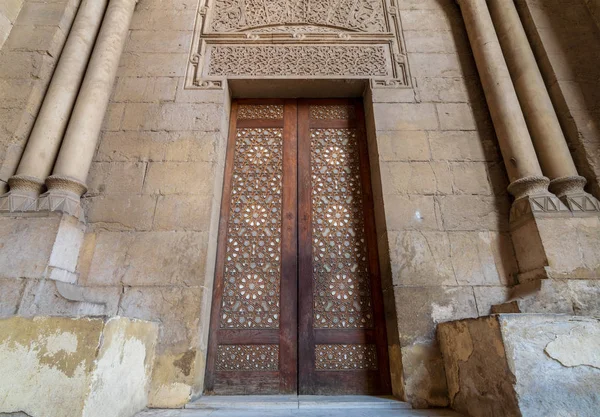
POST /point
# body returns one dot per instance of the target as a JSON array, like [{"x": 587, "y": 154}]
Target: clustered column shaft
[
  {"x": 74, "y": 156},
  {"x": 51, "y": 123},
  {"x": 548, "y": 138},
  {"x": 531, "y": 139},
  {"x": 524, "y": 171}
]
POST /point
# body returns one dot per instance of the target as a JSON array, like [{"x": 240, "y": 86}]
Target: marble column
[
  {"x": 45, "y": 139},
  {"x": 67, "y": 183},
  {"x": 524, "y": 171},
  {"x": 547, "y": 135}
]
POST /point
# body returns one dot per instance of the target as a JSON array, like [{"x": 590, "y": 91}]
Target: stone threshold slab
[
  {"x": 297, "y": 402},
  {"x": 326, "y": 412}
]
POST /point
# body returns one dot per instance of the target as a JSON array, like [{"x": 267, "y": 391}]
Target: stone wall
[
  {"x": 9, "y": 10},
  {"x": 444, "y": 193},
  {"x": 27, "y": 60},
  {"x": 155, "y": 189},
  {"x": 154, "y": 194},
  {"x": 565, "y": 39}
]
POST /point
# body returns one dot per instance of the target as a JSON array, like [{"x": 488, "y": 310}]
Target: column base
[
  {"x": 571, "y": 193},
  {"x": 64, "y": 195},
  {"x": 23, "y": 194},
  {"x": 532, "y": 199}
]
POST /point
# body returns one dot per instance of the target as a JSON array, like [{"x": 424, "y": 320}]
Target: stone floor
[{"x": 297, "y": 406}]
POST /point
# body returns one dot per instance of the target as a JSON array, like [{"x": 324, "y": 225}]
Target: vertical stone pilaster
[
  {"x": 51, "y": 123},
  {"x": 524, "y": 171},
  {"x": 547, "y": 135},
  {"x": 67, "y": 183}
]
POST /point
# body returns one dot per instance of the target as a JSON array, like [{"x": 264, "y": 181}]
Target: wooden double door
[{"x": 297, "y": 303}]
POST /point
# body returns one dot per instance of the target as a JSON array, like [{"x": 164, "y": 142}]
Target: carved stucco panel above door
[{"x": 314, "y": 39}]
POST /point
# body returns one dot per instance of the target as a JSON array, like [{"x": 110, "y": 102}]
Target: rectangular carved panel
[
  {"x": 248, "y": 358},
  {"x": 314, "y": 39},
  {"x": 345, "y": 357},
  {"x": 342, "y": 295},
  {"x": 253, "y": 259}
]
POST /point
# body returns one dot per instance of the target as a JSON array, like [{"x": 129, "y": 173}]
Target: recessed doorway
[{"x": 297, "y": 304}]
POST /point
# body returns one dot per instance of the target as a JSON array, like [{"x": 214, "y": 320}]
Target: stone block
[
  {"x": 145, "y": 89},
  {"x": 176, "y": 308},
  {"x": 424, "y": 377},
  {"x": 405, "y": 116},
  {"x": 410, "y": 212},
  {"x": 12, "y": 291},
  {"x": 116, "y": 178},
  {"x": 108, "y": 261},
  {"x": 40, "y": 247},
  {"x": 153, "y": 64},
  {"x": 166, "y": 41},
  {"x": 421, "y": 309},
  {"x": 535, "y": 364},
  {"x": 179, "y": 178},
  {"x": 165, "y": 19},
  {"x": 442, "y": 65},
  {"x": 158, "y": 146},
  {"x": 166, "y": 258},
  {"x": 403, "y": 146},
  {"x": 470, "y": 178},
  {"x": 183, "y": 212},
  {"x": 172, "y": 117},
  {"x": 120, "y": 212},
  {"x": 482, "y": 258},
  {"x": 421, "y": 258},
  {"x": 11, "y": 9},
  {"x": 70, "y": 367},
  {"x": 415, "y": 178},
  {"x": 456, "y": 116},
  {"x": 471, "y": 212},
  {"x": 462, "y": 146},
  {"x": 55, "y": 298},
  {"x": 558, "y": 247}
]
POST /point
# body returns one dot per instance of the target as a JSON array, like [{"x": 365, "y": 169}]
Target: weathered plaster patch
[
  {"x": 66, "y": 342},
  {"x": 122, "y": 370},
  {"x": 581, "y": 347}
]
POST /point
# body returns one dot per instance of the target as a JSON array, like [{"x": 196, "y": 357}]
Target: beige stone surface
[
  {"x": 535, "y": 364},
  {"x": 75, "y": 366},
  {"x": 156, "y": 181}
]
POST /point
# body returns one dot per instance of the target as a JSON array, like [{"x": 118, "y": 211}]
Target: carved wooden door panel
[
  {"x": 252, "y": 344},
  {"x": 343, "y": 349},
  {"x": 297, "y": 301}
]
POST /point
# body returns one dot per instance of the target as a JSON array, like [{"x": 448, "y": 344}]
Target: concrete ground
[{"x": 297, "y": 406}]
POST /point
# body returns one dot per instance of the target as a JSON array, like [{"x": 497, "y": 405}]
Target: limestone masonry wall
[
  {"x": 27, "y": 60},
  {"x": 154, "y": 189},
  {"x": 444, "y": 193},
  {"x": 9, "y": 10}
]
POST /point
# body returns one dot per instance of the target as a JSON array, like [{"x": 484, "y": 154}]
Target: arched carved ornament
[{"x": 307, "y": 39}]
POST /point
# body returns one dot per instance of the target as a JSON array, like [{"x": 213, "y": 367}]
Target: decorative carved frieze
[{"x": 314, "y": 39}]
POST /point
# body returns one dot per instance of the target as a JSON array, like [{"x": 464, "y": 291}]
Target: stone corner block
[
  {"x": 69, "y": 367},
  {"x": 40, "y": 246},
  {"x": 525, "y": 365}
]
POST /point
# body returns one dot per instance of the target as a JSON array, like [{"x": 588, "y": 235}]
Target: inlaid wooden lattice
[
  {"x": 345, "y": 357},
  {"x": 260, "y": 111},
  {"x": 332, "y": 112},
  {"x": 248, "y": 357},
  {"x": 342, "y": 296},
  {"x": 253, "y": 258}
]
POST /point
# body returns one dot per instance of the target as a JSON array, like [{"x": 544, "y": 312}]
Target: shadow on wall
[{"x": 566, "y": 43}]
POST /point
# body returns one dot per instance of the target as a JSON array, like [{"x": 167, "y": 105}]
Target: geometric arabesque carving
[{"x": 318, "y": 39}]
